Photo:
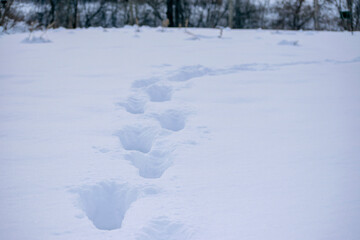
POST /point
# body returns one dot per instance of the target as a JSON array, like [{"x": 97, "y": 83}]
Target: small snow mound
[
  {"x": 137, "y": 138},
  {"x": 105, "y": 204},
  {"x": 189, "y": 72},
  {"x": 134, "y": 105},
  {"x": 159, "y": 93},
  {"x": 173, "y": 120},
  {"x": 151, "y": 165},
  {"x": 162, "y": 228},
  {"x": 35, "y": 40},
  {"x": 290, "y": 43}
]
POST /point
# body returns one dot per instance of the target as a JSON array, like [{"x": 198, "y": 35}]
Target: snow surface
[{"x": 152, "y": 135}]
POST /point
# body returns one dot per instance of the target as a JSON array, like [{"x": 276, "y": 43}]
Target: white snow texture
[{"x": 149, "y": 135}]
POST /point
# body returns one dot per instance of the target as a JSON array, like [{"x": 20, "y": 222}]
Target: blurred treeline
[{"x": 266, "y": 14}]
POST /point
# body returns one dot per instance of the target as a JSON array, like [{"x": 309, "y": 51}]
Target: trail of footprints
[
  {"x": 105, "y": 204},
  {"x": 140, "y": 141}
]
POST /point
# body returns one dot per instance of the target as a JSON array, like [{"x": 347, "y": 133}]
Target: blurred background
[{"x": 334, "y": 15}]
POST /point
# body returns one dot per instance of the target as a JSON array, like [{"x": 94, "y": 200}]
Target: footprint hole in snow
[
  {"x": 143, "y": 83},
  {"x": 151, "y": 165},
  {"x": 162, "y": 228},
  {"x": 173, "y": 120},
  {"x": 188, "y": 72},
  {"x": 134, "y": 105},
  {"x": 105, "y": 204},
  {"x": 137, "y": 138},
  {"x": 159, "y": 93}
]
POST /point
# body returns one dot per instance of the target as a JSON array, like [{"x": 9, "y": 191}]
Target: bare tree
[
  {"x": 347, "y": 11},
  {"x": 8, "y": 16},
  {"x": 263, "y": 9},
  {"x": 316, "y": 14},
  {"x": 92, "y": 11},
  {"x": 169, "y": 12},
  {"x": 156, "y": 6},
  {"x": 230, "y": 13},
  {"x": 53, "y": 6},
  {"x": 75, "y": 13},
  {"x": 356, "y": 13},
  {"x": 292, "y": 14},
  {"x": 247, "y": 14},
  {"x": 284, "y": 14}
]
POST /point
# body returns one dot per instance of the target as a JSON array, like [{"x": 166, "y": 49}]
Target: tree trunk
[
  {"x": 75, "y": 2},
  {"x": 297, "y": 15},
  {"x": 316, "y": 14},
  {"x": 350, "y": 8},
  {"x": 52, "y": 12},
  {"x": 132, "y": 21},
  {"x": 231, "y": 13},
  {"x": 178, "y": 13},
  {"x": 169, "y": 12}
]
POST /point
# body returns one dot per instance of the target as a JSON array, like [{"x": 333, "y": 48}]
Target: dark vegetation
[{"x": 282, "y": 14}]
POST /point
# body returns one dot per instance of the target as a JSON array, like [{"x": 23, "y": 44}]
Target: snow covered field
[{"x": 150, "y": 135}]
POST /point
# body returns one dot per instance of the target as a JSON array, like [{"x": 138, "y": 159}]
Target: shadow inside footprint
[
  {"x": 151, "y": 165},
  {"x": 134, "y": 105},
  {"x": 137, "y": 138},
  {"x": 142, "y": 83},
  {"x": 159, "y": 93},
  {"x": 105, "y": 204},
  {"x": 173, "y": 120}
]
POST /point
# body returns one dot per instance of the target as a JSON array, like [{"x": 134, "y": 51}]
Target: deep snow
[{"x": 117, "y": 134}]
